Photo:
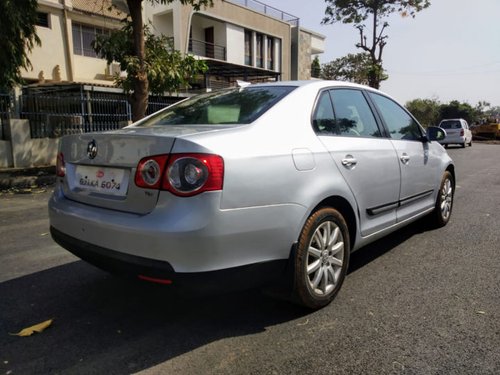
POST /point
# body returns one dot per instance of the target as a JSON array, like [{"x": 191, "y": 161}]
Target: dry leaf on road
[{"x": 36, "y": 328}]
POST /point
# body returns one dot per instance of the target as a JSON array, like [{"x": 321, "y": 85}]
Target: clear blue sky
[{"x": 450, "y": 50}]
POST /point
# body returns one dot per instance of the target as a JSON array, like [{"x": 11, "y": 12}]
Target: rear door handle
[
  {"x": 349, "y": 161},
  {"x": 405, "y": 159}
]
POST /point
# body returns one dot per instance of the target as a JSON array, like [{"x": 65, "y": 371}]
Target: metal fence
[{"x": 55, "y": 115}]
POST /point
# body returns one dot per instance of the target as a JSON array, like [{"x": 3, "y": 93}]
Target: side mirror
[{"x": 435, "y": 133}]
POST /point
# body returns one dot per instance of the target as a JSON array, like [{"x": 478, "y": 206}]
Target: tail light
[
  {"x": 149, "y": 171},
  {"x": 462, "y": 133},
  {"x": 60, "y": 165},
  {"x": 182, "y": 174}
]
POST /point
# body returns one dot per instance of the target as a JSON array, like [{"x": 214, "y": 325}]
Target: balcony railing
[
  {"x": 211, "y": 50},
  {"x": 268, "y": 10}
]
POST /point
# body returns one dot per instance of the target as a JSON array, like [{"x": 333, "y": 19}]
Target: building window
[
  {"x": 83, "y": 36},
  {"x": 270, "y": 53},
  {"x": 248, "y": 47},
  {"x": 260, "y": 50},
  {"x": 42, "y": 19}
]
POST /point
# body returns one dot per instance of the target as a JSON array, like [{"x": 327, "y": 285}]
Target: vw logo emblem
[{"x": 92, "y": 149}]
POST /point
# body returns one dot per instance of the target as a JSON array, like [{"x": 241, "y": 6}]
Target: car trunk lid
[{"x": 100, "y": 168}]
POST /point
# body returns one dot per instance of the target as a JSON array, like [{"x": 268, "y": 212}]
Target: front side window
[
  {"x": 400, "y": 124},
  {"x": 232, "y": 106}
]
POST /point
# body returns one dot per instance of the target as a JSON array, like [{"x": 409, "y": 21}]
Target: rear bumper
[
  {"x": 453, "y": 139},
  {"x": 191, "y": 236},
  {"x": 162, "y": 272}
]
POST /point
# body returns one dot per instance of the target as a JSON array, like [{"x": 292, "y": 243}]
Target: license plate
[{"x": 113, "y": 181}]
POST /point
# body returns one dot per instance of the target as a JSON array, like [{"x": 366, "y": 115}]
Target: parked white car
[{"x": 457, "y": 132}]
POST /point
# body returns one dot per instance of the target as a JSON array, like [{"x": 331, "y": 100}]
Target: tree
[
  {"x": 352, "y": 68},
  {"x": 426, "y": 111},
  {"x": 139, "y": 78},
  {"x": 315, "y": 68},
  {"x": 358, "y": 12},
  {"x": 455, "y": 109},
  {"x": 18, "y": 38},
  {"x": 167, "y": 70}
]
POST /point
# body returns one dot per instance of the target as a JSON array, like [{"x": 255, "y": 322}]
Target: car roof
[{"x": 319, "y": 84}]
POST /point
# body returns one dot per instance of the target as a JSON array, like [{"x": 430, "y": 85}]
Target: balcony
[
  {"x": 267, "y": 10},
  {"x": 206, "y": 49}
]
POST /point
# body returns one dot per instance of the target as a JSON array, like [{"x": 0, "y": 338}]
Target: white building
[{"x": 239, "y": 39}]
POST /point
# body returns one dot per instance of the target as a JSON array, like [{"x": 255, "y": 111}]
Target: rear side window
[
  {"x": 400, "y": 124},
  {"x": 233, "y": 106},
  {"x": 353, "y": 114},
  {"x": 323, "y": 117},
  {"x": 344, "y": 112}
]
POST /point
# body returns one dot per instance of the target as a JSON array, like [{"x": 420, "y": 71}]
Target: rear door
[{"x": 346, "y": 126}]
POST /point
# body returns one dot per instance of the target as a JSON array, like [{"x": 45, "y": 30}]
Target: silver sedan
[{"x": 272, "y": 183}]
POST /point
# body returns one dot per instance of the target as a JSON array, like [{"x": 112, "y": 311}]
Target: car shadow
[
  {"x": 376, "y": 249},
  {"x": 106, "y": 324}
]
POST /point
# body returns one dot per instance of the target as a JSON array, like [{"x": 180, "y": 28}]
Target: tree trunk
[{"x": 139, "y": 96}]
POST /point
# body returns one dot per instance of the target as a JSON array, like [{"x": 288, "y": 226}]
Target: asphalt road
[{"x": 417, "y": 302}]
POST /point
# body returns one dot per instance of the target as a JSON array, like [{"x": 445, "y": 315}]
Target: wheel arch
[
  {"x": 451, "y": 169},
  {"x": 346, "y": 210}
]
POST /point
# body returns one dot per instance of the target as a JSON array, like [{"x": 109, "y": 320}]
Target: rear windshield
[
  {"x": 232, "y": 106},
  {"x": 453, "y": 124}
]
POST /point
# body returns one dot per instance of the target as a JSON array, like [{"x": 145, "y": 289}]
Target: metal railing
[
  {"x": 268, "y": 10},
  {"x": 200, "y": 48},
  {"x": 57, "y": 115}
]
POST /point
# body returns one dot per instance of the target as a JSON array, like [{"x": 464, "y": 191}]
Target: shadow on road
[
  {"x": 378, "y": 248},
  {"x": 104, "y": 324}
]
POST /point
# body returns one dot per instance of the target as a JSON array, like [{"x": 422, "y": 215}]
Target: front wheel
[
  {"x": 321, "y": 259},
  {"x": 444, "y": 201}
]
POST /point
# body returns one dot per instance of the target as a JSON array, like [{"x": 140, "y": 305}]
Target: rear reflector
[
  {"x": 60, "y": 165},
  {"x": 155, "y": 280}
]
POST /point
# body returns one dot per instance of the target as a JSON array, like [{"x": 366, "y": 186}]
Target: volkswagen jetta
[{"x": 279, "y": 181}]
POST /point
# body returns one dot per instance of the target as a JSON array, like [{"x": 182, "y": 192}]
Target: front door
[{"x": 418, "y": 183}]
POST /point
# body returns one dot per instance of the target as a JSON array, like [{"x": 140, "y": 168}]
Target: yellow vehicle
[{"x": 490, "y": 130}]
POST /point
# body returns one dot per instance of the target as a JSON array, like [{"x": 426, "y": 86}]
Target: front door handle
[{"x": 405, "y": 159}]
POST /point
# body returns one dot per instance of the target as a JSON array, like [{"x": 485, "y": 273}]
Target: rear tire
[
  {"x": 321, "y": 259},
  {"x": 444, "y": 201},
  {"x": 463, "y": 145}
]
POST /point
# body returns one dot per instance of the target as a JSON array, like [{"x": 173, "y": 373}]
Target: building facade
[{"x": 239, "y": 40}]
